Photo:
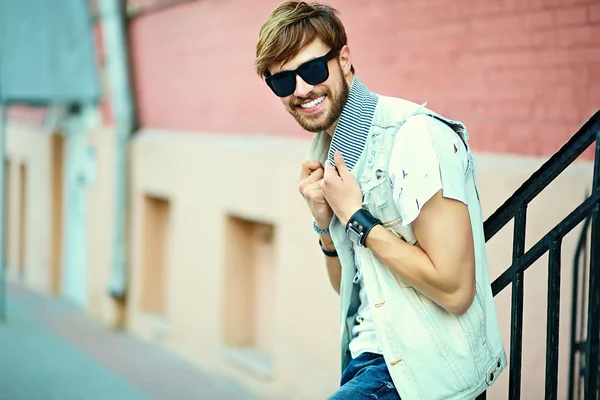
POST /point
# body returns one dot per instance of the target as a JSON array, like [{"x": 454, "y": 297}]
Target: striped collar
[{"x": 354, "y": 124}]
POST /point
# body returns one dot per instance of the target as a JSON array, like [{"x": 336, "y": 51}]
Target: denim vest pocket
[{"x": 378, "y": 199}]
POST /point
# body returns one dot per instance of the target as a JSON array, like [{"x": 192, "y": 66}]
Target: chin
[{"x": 313, "y": 125}]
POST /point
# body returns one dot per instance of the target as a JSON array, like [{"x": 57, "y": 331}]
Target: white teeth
[{"x": 313, "y": 104}]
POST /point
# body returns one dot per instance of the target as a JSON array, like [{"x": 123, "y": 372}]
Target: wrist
[
  {"x": 329, "y": 252},
  {"x": 323, "y": 225},
  {"x": 360, "y": 225},
  {"x": 368, "y": 241},
  {"x": 326, "y": 241},
  {"x": 345, "y": 217}
]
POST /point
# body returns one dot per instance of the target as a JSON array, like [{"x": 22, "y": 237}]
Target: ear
[{"x": 346, "y": 59}]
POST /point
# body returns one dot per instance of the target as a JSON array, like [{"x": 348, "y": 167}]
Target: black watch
[{"x": 359, "y": 225}]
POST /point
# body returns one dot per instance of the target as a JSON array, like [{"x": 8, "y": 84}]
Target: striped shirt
[
  {"x": 350, "y": 137},
  {"x": 354, "y": 124}
]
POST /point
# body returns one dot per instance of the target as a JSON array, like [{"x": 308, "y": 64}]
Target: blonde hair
[{"x": 293, "y": 25}]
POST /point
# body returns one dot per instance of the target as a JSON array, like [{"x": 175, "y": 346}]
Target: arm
[
  {"x": 443, "y": 268},
  {"x": 334, "y": 267},
  {"x": 311, "y": 178}
]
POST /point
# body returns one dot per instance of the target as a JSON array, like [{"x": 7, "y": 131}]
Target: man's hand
[
  {"x": 342, "y": 190},
  {"x": 311, "y": 178}
]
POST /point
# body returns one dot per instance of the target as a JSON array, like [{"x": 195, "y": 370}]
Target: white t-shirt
[{"x": 418, "y": 169}]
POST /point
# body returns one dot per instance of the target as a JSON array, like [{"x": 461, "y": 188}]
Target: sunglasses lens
[
  {"x": 315, "y": 72},
  {"x": 282, "y": 84}
]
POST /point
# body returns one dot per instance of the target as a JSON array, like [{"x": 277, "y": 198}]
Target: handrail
[
  {"x": 541, "y": 178},
  {"x": 543, "y": 245},
  {"x": 589, "y": 212}
]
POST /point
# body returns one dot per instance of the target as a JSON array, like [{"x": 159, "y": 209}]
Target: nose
[{"x": 302, "y": 88}]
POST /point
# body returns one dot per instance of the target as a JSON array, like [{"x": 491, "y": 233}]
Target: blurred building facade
[{"x": 222, "y": 265}]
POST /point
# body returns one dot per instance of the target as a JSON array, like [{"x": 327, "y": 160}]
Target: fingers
[
  {"x": 313, "y": 192},
  {"x": 315, "y": 175},
  {"x": 330, "y": 169},
  {"x": 308, "y": 167},
  {"x": 340, "y": 164},
  {"x": 310, "y": 180},
  {"x": 331, "y": 174}
]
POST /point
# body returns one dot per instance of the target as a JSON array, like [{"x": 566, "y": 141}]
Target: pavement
[{"x": 50, "y": 349}]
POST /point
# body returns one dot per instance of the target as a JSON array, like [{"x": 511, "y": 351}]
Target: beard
[{"x": 327, "y": 117}]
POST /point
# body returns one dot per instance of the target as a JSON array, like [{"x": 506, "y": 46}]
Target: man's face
[{"x": 316, "y": 107}]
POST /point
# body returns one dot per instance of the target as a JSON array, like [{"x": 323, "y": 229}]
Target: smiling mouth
[{"x": 312, "y": 104}]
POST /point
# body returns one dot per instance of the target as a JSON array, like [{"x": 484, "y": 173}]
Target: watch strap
[
  {"x": 328, "y": 253},
  {"x": 362, "y": 221}
]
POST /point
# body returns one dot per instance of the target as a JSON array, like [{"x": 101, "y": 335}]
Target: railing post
[
  {"x": 580, "y": 264},
  {"x": 516, "y": 334},
  {"x": 592, "y": 353},
  {"x": 553, "y": 319}
]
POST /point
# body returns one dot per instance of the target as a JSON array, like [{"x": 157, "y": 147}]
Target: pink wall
[
  {"x": 33, "y": 115},
  {"x": 524, "y": 75}
]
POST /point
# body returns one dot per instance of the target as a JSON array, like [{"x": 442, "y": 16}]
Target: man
[{"x": 392, "y": 189}]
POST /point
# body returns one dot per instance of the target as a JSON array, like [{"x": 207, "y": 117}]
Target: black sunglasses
[{"x": 312, "y": 72}]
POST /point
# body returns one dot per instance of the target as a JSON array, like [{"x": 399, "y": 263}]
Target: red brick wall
[{"x": 523, "y": 74}]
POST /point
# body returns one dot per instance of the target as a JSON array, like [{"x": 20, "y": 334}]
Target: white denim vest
[{"x": 431, "y": 354}]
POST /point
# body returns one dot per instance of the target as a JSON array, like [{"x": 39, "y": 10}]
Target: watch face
[{"x": 354, "y": 236}]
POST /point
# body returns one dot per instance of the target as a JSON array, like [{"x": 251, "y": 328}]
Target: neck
[{"x": 331, "y": 129}]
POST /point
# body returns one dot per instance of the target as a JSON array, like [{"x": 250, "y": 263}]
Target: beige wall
[
  {"x": 205, "y": 180},
  {"x": 219, "y": 232},
  {"x": 29, "y": 205},
  {"x": 100, "y": 228}
]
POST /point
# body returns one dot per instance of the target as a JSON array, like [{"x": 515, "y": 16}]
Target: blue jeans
[{"x": 366, "y": 377}]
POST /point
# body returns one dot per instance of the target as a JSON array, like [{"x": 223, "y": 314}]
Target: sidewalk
[{"x": 51, "y": 350}]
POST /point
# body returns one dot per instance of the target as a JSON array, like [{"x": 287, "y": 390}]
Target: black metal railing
[
  {"x": 578, "y": 340},
  {"x": 516, "y": 208}
]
